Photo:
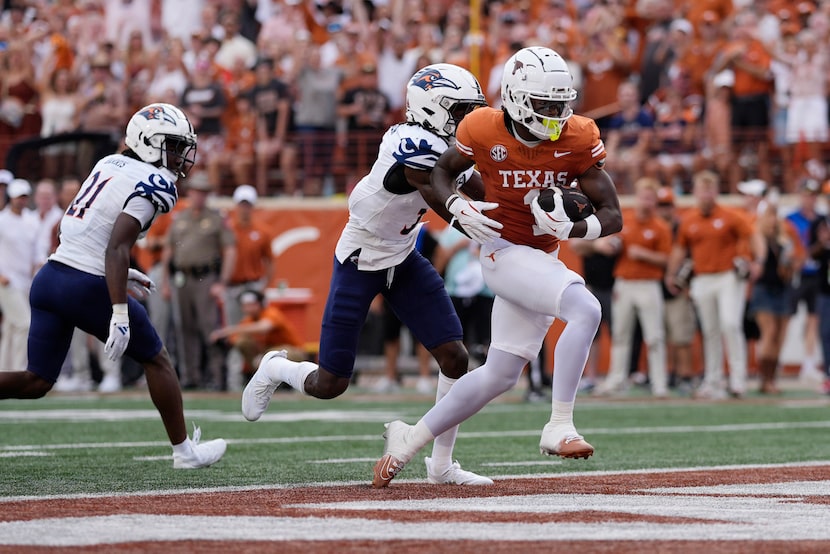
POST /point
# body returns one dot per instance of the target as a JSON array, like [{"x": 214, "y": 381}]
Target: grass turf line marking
[{"x": 726, "y": 428}]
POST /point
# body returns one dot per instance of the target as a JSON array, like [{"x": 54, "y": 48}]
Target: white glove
[
  {"x": 139, "y": 285},
  {"x": 555, "y": 222},
  {"x": 119, "y": 336},
  {"x": 470, "y": 216}
]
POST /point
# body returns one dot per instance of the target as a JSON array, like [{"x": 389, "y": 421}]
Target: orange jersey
[
  {"x": 652, "y": 233},
  {"x": 281, "y": 334},
  {"x": 511, "y": 171},
  {"x": 253, "y": 245},
  {"x": 713, "y": 241}
]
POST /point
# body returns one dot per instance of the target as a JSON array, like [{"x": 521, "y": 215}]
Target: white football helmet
[
  {"x": 438, "y": 97},
  {"x": 161, "y": 134},
  {"x": 536, "y": 91}
]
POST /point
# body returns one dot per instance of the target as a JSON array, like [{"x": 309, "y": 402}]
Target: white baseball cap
[
  {"x": 245, "y": 193},
  {"x": 753, "y": 187},
  {"x": 19, "y": 187},
  {"x": 6, "y": 176}
]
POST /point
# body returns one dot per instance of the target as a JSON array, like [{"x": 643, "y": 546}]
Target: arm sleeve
[{"x": 140, "y": 208}]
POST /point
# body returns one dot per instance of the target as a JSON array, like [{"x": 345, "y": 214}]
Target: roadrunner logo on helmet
[
  {"x": 157, "y": 112},
  {"x": 161, "y": 134},
  {"x": 438, "y": 97},
  {"x": 536, "y": 91}
]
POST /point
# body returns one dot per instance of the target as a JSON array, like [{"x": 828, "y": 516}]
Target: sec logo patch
[{"x": 498, "y": 153}]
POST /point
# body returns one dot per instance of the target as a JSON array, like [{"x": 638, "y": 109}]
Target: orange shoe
[
  {"x": 385, "y": 470},
  {"x": 564, "y": 441}
]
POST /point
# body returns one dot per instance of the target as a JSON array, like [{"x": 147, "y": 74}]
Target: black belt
[{"x": 199, "y": 271}]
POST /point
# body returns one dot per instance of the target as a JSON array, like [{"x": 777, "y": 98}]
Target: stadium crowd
[{"x": 292, "y": 96}]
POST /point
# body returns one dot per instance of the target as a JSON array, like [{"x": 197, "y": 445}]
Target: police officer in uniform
[{"x": 199, "y": 257}]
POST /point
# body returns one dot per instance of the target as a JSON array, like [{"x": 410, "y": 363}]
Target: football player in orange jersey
[{"x": 533, "y": 142}]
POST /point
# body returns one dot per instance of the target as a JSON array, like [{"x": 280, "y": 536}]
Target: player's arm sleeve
[
  {"x": 158, "y": 191},
  {"x": 141, "y": 209},
  {"x": 597, "y": 152}
]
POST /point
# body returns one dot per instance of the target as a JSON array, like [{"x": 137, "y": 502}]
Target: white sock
[
  {"x": 293, "y": 373},
  {"x": 183, "y": 447},
  {"x": 562, "y": 413},
  {"x": 445, "y": 442},
  {"x": 420, "y": 435}
]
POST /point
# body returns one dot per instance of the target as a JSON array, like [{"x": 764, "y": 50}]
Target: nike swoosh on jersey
[{"x": 557, "y": 154}]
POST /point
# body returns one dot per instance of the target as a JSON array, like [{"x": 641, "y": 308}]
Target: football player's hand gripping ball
[{"x": 555, "y": 222}]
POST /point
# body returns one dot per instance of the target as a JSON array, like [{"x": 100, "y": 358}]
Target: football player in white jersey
[
  {"x": 376, "y": 255},
  {"x": 85, "y": 282}
]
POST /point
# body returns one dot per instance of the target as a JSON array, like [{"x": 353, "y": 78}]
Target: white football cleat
[
  {"x": 396, "y": 453},
  {"x": 203, "y": 454},
  {"x": 454, "y": 475},
  {"x": 260, "y": 389}
]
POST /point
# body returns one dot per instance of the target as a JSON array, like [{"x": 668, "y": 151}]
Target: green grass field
[{"x": 63, "y": 445}]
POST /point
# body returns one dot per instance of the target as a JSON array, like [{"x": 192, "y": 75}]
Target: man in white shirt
[{"x": 19, "y": 234}]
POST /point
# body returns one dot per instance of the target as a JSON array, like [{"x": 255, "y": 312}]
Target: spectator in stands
[
  {"x": 607, "y": 61},
  {"x": 662, "y": 39},
  {"x": 169, "y": 77},
  {"x": 204, "y": 102},
  {"x": 137, "y": 58},
  {"x": 712, "y": 236},
  {"x": 315, "y": 117},
  {"x": 781, "y": 67},
  {"x": 629, "y": 136},
  {"x": 59, "y": 114},
  {"x": 19, "y": 115},
  {"x": 749, "y": 60},
  {"x": 807, "y": 123},
  {"x": 695, "y": 57},
  {"x": 272, "y": 100},
  {"x": 254, "y": 263},
  {"x": 234, "y": 46},
  {"x": 102, "y": 108},
  {"x": 396, "y": 63},
  {"x": 240, "y": 144},
  {"x": 365, "y": 110},
  {"x": 124, "y": 20},
  {"x": 21, "y": 258},
  {"x": 677, "y": 136}
]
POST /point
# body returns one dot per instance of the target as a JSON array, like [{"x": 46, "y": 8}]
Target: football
[{"x": 577, "y": 205}]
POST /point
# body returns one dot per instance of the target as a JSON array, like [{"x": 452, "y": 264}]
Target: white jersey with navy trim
[
  {"x": 385, "y": 212},
  {"x": 116, "y": 180}
]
